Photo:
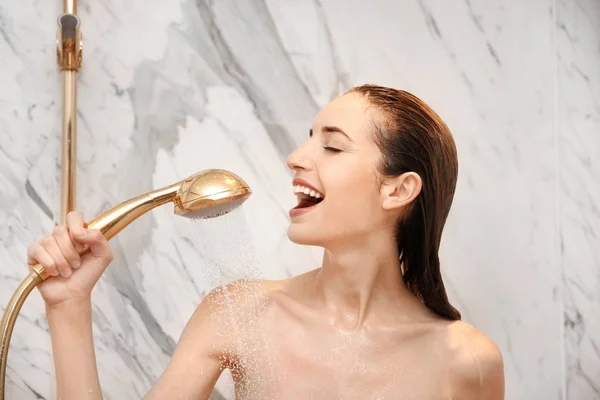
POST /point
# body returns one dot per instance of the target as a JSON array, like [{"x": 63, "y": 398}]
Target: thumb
[{"x": 97, "y": 243}]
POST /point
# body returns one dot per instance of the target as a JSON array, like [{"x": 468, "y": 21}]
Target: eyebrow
[{"x": 332, "y": 129}]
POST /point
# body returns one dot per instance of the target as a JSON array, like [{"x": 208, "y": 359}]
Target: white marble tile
[
  {"x": 168, "y": 90},
  {"x": 579, "y": 143},
  {"x": 304, "y": 31}
]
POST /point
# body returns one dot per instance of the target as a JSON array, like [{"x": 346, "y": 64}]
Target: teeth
[{"x": 307, "y": 191}]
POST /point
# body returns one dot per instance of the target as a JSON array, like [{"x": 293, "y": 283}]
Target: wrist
[{"x": 70, "y": 306}]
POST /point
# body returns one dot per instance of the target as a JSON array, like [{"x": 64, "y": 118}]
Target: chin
[{"x": 300, "y": 235}]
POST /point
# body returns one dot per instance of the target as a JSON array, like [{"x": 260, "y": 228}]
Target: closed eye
[{"x": 332, "y": 149}]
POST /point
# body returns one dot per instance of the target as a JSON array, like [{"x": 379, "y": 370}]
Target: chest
[{"x": 299, "y": 361}]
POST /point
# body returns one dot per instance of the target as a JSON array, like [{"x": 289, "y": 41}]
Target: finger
[
  {"x": 52, "y": 248},
  {"x": 36, "y": 253},
  {"x": 97, "y": 243},
  {"x": 66, "y": 246},
  {"x": 76, "y": 226}
]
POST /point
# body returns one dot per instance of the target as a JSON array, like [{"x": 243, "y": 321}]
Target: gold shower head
[
  {"x": 210, "y": 194},
  {"x": 207, "y": 194}
]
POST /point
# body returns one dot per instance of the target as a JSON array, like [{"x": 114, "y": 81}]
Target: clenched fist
[{"x": 73, "y": 276}]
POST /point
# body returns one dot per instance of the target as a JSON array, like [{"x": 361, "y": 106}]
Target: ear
[{"x": 399, "y": 191}]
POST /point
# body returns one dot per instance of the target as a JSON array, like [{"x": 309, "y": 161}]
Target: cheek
[{"x": 352, "y": 194}]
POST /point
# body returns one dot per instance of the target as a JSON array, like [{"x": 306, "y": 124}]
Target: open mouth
[{"x": 307, "y": 197}]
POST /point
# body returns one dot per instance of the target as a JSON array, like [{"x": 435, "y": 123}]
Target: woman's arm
[
  {"x": 67, "y": 295},
  {"x": 195, "y": 366},
  {"x": 73, "y": 348},
  {"x": 198, "y": 359},
  {"x": 191, "y": 373}
]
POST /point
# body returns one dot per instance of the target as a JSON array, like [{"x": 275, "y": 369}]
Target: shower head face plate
[{"x": 210, "y": 194}]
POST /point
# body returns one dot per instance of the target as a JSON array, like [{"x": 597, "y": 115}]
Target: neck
[{"x": 363, "y": 278}]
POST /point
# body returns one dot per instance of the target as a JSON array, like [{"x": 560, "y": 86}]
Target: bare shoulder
[
  {"x": 242, "y": 295},
  {"x": 477, "y": 363},
  {"x": 243, "y": 299},
  {"x": 253, "y": 299},
  {"x": 230, "y": 310},
  {"x": 210, "y": 340}
]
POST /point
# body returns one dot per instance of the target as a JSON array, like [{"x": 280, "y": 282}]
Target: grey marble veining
[
  {"x": 170, "y": 88},
  {"x": 578, "y": 35}
]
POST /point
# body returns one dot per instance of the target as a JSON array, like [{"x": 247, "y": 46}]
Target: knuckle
[
  {"x": 50, "y": 265},
  {"x": 36, "y": 248},
  {"x": 51, "y": 270},
  {"x": 96, "y": 234},
  {"x": 59, "y": 230},
  {"x": 65, "y": 266},
  {"x": 62, "y": 264},
  {"x": 74, "y": 258},
  {"x": 48, "y": 240},
  {"x": 72, "y": 214},
  {"x": 108, "y": 254}
]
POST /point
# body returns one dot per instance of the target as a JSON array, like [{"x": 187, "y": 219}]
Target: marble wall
[
  {"x": 578, "y": 136},
  {"x": 170, "y": 88}
]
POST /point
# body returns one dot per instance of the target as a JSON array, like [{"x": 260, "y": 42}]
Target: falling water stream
[{"x": 230, "y": 268}]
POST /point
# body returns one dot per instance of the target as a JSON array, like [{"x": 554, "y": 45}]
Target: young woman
[{"x": 374, "y": 182}]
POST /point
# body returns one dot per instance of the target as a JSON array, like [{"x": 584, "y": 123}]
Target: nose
[{"x": 299, "y": 159}]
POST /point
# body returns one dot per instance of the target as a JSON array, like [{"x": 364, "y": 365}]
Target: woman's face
[{"x": 339, "y": 161}]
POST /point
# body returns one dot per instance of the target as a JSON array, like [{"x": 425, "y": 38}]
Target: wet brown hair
[{"x": 412, "y": 137}]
